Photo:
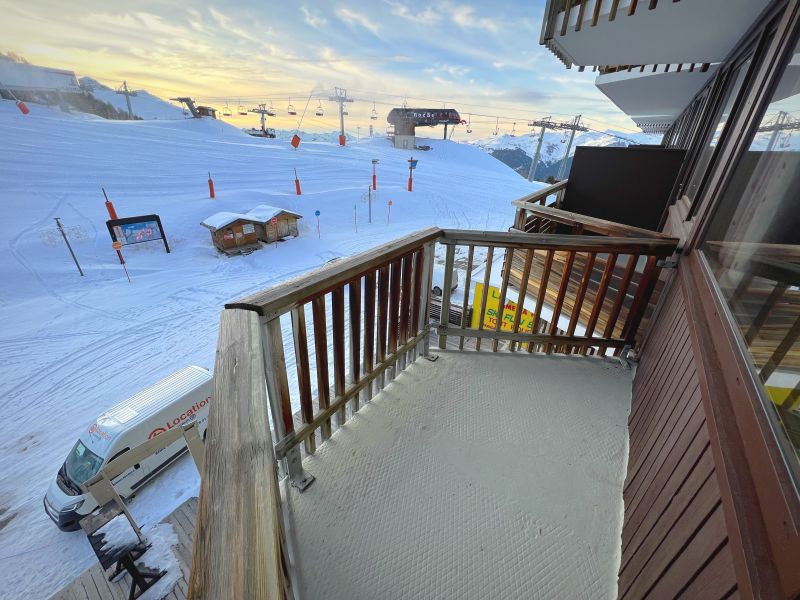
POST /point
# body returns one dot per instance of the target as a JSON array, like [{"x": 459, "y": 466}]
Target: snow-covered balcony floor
[{"x": 477, "y": 476}]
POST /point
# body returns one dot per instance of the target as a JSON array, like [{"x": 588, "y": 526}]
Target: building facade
[{"x": 712, "y": 496}]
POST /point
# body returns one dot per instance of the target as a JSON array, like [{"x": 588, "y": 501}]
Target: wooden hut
[
  {"x": 285, "y": 225},
  {"x": 233, "y": 233}
]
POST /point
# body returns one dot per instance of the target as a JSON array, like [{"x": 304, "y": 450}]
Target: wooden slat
[
  {"x": 303, "y": 373},
  {"x": 486, "y": 279},
  {"x": 354, "y": 312},
  {"x": 405, "y": 303},
  {"x": 393, "y": 311},
  {"x": 239, "y": 489},
  {"x": 612, "y": 14},
  {"x": 600, "y": 297},
  {"x": 369, "y": 327},
  {"x": 597, "y": 9},
  {"x": 565, "y": 22},
  {"x": 321, "y": 353},
  {"x": 383, "y": 306},
  {"x": 562, "y": 291},
  {"x": 581, "y": 11},
  {"x": 548, "y": 263},
  {"x": 580, "y": 295},
  {"x": 622, "y": 292},
  {"x": 632, "y": 7},
  {"x": 467, "y": 284},
  {"x": 643, "y": 292},
  {"x": 508, "y": 258},
  {"x": 523, "y": 290},
  {"x": 416, "y": 302},
  {"x": 337, "y": 318},
  {"x": 278, "y": 381}
]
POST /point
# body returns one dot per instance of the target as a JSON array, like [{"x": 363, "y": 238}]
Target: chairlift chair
[
  {"x": 270, "y": 110},
  {"x": 513, "y": 129},
  {"x": 319, "y": 112},
  {"x": 469, "y": 124},
  {"x": 290, "y": 109},
  {"x": 226, "y": 111},
  {"x": 374, "y": 115},
  {"x": 242, "y": 109}
]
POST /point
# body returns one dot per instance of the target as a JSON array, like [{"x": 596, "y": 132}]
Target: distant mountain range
[{"x": 517, "y": 151}]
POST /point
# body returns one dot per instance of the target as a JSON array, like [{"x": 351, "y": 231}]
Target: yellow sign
[{"x": 493, "y": 307}]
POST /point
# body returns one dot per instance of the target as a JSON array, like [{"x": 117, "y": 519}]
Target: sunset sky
[{"x": 481, "y": 58}]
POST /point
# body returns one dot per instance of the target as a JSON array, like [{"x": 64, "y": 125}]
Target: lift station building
[{"x": 406, "y": 120}]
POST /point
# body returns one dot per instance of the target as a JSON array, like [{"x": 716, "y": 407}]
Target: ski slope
[{"x": 73, "y": 346}]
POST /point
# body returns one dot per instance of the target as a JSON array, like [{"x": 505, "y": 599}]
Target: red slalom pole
[
  {"x": 297, "y": 184},
  {"x": 374, "y": 176},
  {"x": 112, "y": 213},
  {"x": 210, "y": 186}
]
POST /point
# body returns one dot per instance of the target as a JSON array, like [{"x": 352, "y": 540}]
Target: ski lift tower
[
  {"x": 263, "y": 111},
  {"x": 340, "y": 97},
  {"x": 123, "y": 90}
]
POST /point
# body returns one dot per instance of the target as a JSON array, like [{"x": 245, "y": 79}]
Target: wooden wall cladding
[{"x": 674, "y": 537}]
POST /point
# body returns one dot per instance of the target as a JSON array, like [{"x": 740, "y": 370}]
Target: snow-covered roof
[
  {"x": 221, "y": 219},
  {"x": 264, "y": 212},
  {"x": 260, "y": 214}
]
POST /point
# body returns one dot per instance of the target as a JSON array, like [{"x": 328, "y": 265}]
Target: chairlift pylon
[
  {"x": 374, "y": 115},
  {"x": 242, "y": 109},
  {"x": 319, "y": 112},
  {"x": 290, "y": 109}
]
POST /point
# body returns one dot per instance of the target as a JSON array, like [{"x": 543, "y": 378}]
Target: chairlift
[
  {"x": 513, "y": 129},
  {"x": 226, "y": 111},
  {"x": 374, "y": 115},
  {"x": 469, "y": 124},
  {"x": 319, "y": 112},
  {"x": 290, "y": 109},
  {"x": 531, "y": 124},
  {"x": 270, "y": 110},
  {"x": 242, "y": 109},
  {"x": 496, "y": 127},
  {"x": 344, "y": 111}
]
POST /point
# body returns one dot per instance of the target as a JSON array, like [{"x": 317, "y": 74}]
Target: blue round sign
[{"x": 316, "y": 212}]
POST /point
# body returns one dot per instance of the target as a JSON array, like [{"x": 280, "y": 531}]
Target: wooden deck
[{"x": 93, "y": 584}]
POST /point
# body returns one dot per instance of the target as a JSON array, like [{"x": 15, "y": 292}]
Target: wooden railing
[
  {"x": 366, "y": 318},
  {"x": 577, "y": 283}
]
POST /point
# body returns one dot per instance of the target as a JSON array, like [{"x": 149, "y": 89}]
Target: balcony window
[
  {"x": 753, "y": 250},
  {"x": 734, "y": 85}
]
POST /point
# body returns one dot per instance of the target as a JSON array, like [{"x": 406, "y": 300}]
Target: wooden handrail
[
  {"x": 539, "y": 195},
  {"x": 294, "y": 292},
  {"x": 239, "y": 492},
  {"x": 660, "y": 246},
  {"x": 592, "y": 224}
]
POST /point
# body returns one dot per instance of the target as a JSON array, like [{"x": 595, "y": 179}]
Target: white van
[{"x": 179, "y": 399}]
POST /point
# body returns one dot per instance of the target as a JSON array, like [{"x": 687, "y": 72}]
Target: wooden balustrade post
[
  {"x": 279, "y": 399},
  {"x": 425, "y": 312},
  {"x": 444, "y": 315}
]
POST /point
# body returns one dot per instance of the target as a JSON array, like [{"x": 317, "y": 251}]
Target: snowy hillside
[
  {"x": 144, "y": 104},
  {"x": 73, "y": 346}
]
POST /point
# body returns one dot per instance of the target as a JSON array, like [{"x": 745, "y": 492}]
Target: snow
[
  {"x": 74, "y": 346},
  {"x": 221, "y": 219},
  {"x": 117, "y": 533},
  {"x": 144, "y": 104},
  {"x": 160, "y": 556},
  {"x": 264, "y": 212}
]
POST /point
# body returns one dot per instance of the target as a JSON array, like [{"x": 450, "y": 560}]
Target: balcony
[
  {"x": 488, "y": 467},
  {"x": 643, "y": 32}
]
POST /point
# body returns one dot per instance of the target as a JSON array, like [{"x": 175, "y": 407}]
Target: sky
[{"x": 484, "y": 59}]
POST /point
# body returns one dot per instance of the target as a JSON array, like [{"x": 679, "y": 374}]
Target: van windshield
[{"x": 82, "y": 464}]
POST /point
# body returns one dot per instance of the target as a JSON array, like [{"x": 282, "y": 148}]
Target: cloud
[
  {"x": 464, "y": 15},
  {"x": 312, "y": 19},
  {"x": 427, "y": 16},
  {"x": 352, "y": 18}
]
